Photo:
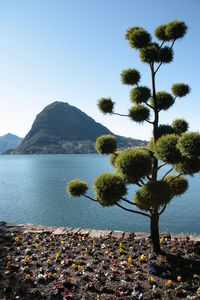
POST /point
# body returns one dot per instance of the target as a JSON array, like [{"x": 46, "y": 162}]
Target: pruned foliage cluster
[
  {"x": 109, "y": 188},
  {"x": 106, "y": 144},
  {"x": 76, "y": 187}
]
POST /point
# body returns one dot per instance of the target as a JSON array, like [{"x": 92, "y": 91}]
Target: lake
[{"x": 33, "y": 190}]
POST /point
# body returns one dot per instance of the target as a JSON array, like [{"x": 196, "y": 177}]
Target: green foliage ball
[
  {"x": 160, "y": 33},
  {"x": 138, "y": 37},
  {"x": 151, "y": 145},
  {"x": 189, "y": 144},
  {"x": 166, "y": 149},
  {"x": 164, "y": 100},
  {"x": 164, "y": 129},
  {"x": 139, "y": 113},
  {"x": 166, "y": 55},
  {"x": 140, "y": 94},
  {"x": 180, "y": 126},
  {"x": 106, "y": 105},
  {"x": 109, "y": 188},
  {"x": 188, "y": 166},
  {"x": 106, "y": 144},
  {"x": 76, "y": 187},
  {"x": 180, "y": 89},
  {"x": 177, "y": 185},
  {"x": 130, "y": 77},
  {"x": 175, "y": 30},
  {"x": 134, "y": 164},
  {"x": 153, "y": 195},
  {"x": 150, "y": 54},
  {"x": 113, "y": 157},
  {"x": 130, "y": 31}
]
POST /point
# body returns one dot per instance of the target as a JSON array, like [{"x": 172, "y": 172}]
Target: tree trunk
[{"x": 155, "y": 232}]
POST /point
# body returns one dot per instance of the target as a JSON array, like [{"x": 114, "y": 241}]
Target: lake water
[{"x": 33, "y": 190}]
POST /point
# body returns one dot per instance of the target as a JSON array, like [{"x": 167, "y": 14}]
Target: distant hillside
[
  {"x": 62, "y": 128},
  {"x": 9, "y": 141}
]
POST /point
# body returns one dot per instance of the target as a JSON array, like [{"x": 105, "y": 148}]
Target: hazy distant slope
[
  {"x": 62, "y": 128},
  {"x": 9, "y": 141}
]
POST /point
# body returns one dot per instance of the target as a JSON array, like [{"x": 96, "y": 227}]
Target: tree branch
[
  {"x": 142, "y": 182},
  {"x": 132, "y": 203},
  {"x": 176, "y": 177},
  {"x": 121, "y": 115},
  {"x": 157, "y": 68},
  {"x": 161, "y": 44},
  {"x": 90, "y": 198},
  {"x": 172, "y": 44},
  {"x": 127, "y": 209},
  {"x": 167, "y": 173},
  {"x": 160, "y": 64},
  {"x": 162, "y": 165},
  {"x": 133, "y": 211},
  {"x": 149, "y": 121},
  {"x": 149, "y": 105},
  {"x": 148, "y": 177},
  {"x": 163, "y": 209}
]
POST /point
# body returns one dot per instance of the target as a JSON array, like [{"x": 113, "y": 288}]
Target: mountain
[
  {"x": 63, "y": 128},
  {"x": 9, "y": 141}
]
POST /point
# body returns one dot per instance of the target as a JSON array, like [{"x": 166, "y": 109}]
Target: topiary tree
[{"x": 171, "y": 145}]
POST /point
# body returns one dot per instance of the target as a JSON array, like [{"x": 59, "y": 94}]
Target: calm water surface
[{"x": 33, "y": 190}]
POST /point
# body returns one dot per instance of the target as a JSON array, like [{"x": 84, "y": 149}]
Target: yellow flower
[
  {"x": 37, "y": 245},
  {"x": 54, "y": 275},
  {"x": 48, "y": 261},
  {"x": 129, "y": 259},
  {"x": 74, "y": 265},
  {"x": 71, "y": 280},
  {"x": 179, "y": 278},
  {"x": 80, "y": 268},
  {"x": 8, "y": 257},
  {"x": 162, "y": 239},
  {"x": 142, "y": 257},
  {"x": 57, "y": 255},
  {"x": 26, "y": 259},
  {"x": 86, "y": 250},
  {"x": 137, "y": 273},
  {"x": 62, "y": 242},
  {"x": 16, "y": 239},
  {"x": 28, "y": 276},
  {"x": 151, "y": 280},
  {"x": 169, "y": 282}
]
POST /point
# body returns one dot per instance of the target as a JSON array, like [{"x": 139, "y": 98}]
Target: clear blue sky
[{"x": 75, "y": 50}]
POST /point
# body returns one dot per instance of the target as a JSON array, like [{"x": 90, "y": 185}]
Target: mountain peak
[
  {"x": 60, "y": 126},
  {"x": 9, "y": 141}
]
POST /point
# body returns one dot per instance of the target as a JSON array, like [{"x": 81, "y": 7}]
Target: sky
[{"x": 75, "y": 50}]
